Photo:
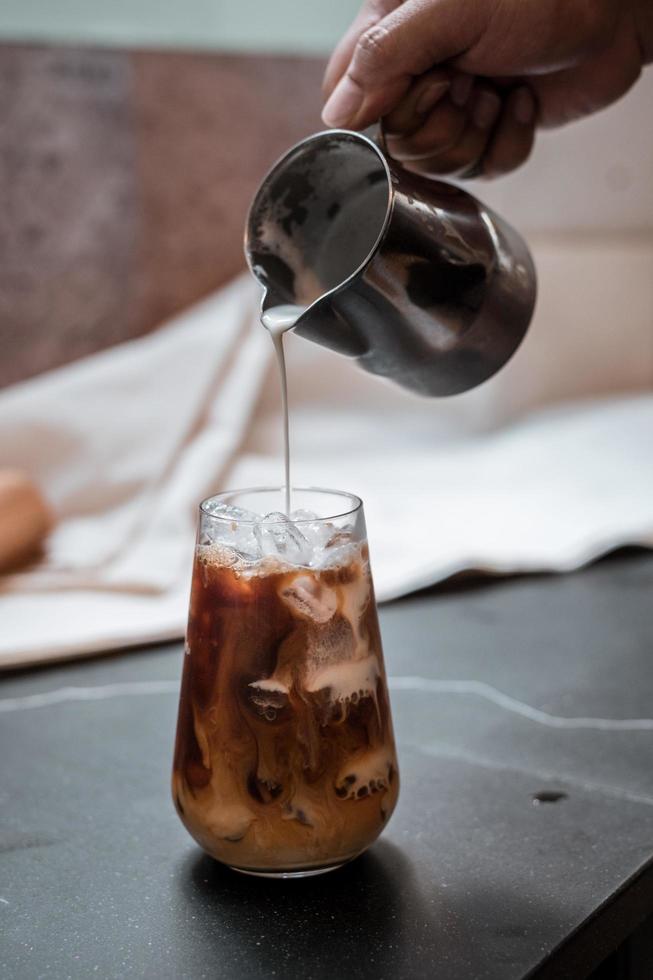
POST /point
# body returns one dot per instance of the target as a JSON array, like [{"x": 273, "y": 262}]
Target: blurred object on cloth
[
  {"x": 129, "y": 441},
  {"x": 25, "y": 520}
]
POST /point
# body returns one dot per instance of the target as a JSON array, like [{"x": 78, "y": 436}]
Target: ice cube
[
  {"x": 321, "y": 536},
  {"x": 302, "y": 515},
  {"x": 339, "y": 537},
  {"x": 336, "y": 557},
  {"x": 317, "y": 532},
  {"x": 235, "y": 529},
  {"x": 228, "y": 512},
  {"x": 243, "y": 540},
  {"x": 277, "y": 535},
  {"x": 310, "y": 599}
]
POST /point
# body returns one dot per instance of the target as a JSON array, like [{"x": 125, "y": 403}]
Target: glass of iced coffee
[{"x": 285, "y": 761}]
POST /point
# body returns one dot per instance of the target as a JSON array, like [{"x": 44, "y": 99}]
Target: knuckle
[{"x": 374, "y": 45}]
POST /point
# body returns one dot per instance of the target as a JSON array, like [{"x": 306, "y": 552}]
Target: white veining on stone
[
  {"x": 397, "y": 683},
  {"x": 440, "y": 751},
  {"x": 4, "y": 901},
  {"x": 482, "y": 690},
  {"x": 64, "y": 694}
]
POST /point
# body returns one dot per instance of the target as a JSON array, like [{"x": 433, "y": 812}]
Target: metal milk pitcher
[{"x": 413, "y": 277}]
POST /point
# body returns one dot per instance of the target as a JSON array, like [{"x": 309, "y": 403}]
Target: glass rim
[{"x": 355, "y": 501}]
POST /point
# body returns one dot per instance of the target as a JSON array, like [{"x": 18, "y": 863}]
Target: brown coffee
[{"x": 285, "y": 758}]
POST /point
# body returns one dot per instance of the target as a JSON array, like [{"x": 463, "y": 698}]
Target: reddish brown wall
[{"x": 124, "y": 184}]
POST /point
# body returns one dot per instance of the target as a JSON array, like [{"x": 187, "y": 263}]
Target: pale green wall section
[{"x": 257, "y": 25}]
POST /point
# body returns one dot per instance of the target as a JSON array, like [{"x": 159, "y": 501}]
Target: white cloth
[{"x": 126, "y": 443}]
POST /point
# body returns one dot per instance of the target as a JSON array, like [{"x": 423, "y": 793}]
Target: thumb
[
  {"x": 370, "y": 14},
  {"x": 387, "y": 53}
]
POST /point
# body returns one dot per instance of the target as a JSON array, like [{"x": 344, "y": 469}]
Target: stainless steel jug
[{"x": 413, "y": 277}]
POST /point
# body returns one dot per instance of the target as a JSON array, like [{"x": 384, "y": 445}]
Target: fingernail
[
  {"x": 523, "y": 107},
  {"x": 461, "y": 88},
  {"x": 343, "y": 104},
  {"x": 486, "y": 110},
  {"x": 432, "y": 94}
]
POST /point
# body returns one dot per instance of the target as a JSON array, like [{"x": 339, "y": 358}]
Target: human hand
[{"x": 461, "y": 84}]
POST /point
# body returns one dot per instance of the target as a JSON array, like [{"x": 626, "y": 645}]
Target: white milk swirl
[{"x": 277, "y": 320}]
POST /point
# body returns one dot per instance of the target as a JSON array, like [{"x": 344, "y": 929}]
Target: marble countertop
[{"x": 522, "y": 845}]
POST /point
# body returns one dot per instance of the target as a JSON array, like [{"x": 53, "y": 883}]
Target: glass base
[{"x": 309, "y": 873}]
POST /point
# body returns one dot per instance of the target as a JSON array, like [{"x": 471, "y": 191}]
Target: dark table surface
[{"x": 500, "y": 692}]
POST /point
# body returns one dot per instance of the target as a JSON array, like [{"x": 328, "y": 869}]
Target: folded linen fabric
[{"x": 126, "y": 443}]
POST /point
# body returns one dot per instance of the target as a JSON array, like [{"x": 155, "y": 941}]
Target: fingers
[
  {"x": 421, "y": 98},
  {"x": 370, "y": 14},
  {"x": 472, "y": 126},
  {"x": 440, "y": 130},
  {"x": 514, "y": 134},
  {"x": 453, "y": 138},
  {"x": 404, "y": 43},
  {"x": 578, "y": 63}
]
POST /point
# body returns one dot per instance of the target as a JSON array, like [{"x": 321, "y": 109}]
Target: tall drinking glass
[{"x": 285, "y": 761}]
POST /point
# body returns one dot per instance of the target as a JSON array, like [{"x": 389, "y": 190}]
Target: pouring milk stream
[
  {"x": 285, "y": 763},
  {"x": 413, "y": 278},
  {"x": 278, "y": 320}
]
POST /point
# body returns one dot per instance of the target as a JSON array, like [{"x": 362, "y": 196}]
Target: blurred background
[
  {"x": 134, "y": 133},
  {"x": 132, "y": 138},
  {"x": 283, "y": 26}
]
